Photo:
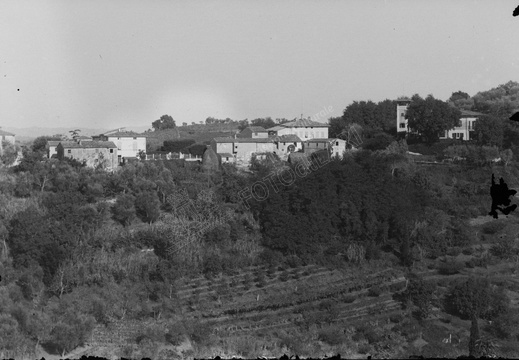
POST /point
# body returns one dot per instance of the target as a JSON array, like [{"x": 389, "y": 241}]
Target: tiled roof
[
  {"x": 124, "y": 134},
  {"x": 226, "y": 154},
  {"x": 257, "y": 129},
  {"x": 304, "y": 123},
  {"x": 276, "y": 128},
  {"x": 287, "y": 138},
  {"x": 242, "y": 140},
  {"x": 319, "y": 140},
  {"x": 466, "y": 113},
  {"x": 88, "y": 145},
  {"x": 5, "y": 133}
]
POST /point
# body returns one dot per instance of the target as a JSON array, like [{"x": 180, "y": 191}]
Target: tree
[
  {"x": 8, "y": 153},
  {"x": 175, "y": 146},
  {"x": 431, "y": 117},
  {"x": 421, "y": 292},
  {"x": 124, "y": 209},
  {"x": 263, "y": 122},
  {"x": 75, "y": 134},
  {"x": 165, "y": 122},
  {"x": 459, "y": 95},
  {"x": 147, "y": 206},
  {"x": 488, "y": 130},
  {"x": 39, "y": 144}
]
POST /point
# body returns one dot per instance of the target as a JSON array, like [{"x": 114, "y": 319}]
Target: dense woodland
[{"x": 73, "y": 237}]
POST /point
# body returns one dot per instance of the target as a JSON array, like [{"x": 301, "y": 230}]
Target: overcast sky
[{"x": 112, "y": 63}]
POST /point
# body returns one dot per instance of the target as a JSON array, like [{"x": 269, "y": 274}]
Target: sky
[{"x": 114, "y": 63}]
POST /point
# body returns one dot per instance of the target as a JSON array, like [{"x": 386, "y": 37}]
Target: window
[
  {"x": 306, "y": 134},
  {"x": 69, "y": 151},
  {"x": 337, "y": 143},
  {"x": 402, "y": 125},
  {"x": 402, "y": 114},
  {"x": 255, "y": 133},
  {"x": 135, "y": 146},
  {"x": 111, "y": 151},
  {"x": 134, "y": 138}
]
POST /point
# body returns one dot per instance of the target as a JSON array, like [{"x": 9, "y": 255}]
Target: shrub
[
  {"x": 348, "y": 299},
  {"x": 468, "y": 251},
  {"x": 375, "y": 291},
  {"x": 492, "y": 227},
  {"x": 470, "y": 264},
  {"x": 284, "y": 275},
  {"x": 503, "y": 249},
  {"x": 450, "y": 267},
  {"x": 397, "y": 318},
  {"x": 247, "y": 281},
  {"x": 331, "y": 336},
  {"x": 454, "y": 251},
  {"x": 364, "y": 349}
]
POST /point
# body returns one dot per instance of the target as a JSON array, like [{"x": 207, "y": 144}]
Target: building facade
[
  {"x": 242, "y": 149},
  {"x": 466, "y": 128},
  {"x": 128, "y": 143},
  {"x": 93, "y": 153},
  {"x": 253, "y": 132},
  {"x": 337, "y": 147},
  {"x": 305, "y": 129},
  {"x": 461, "y": 132},
  {"x": 6, "y": 136}
]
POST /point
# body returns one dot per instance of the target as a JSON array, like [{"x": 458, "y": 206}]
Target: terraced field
[{"x": 259, "y": 300}]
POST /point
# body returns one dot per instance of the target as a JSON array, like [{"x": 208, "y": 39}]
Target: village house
[
  {"x": 242, "y": 149},
  {"x": 128, "y": 143},
  {"x": 92, "y": 153},
  {"x": 461, "y": 132},
  {"x": 253, "y": 132},
  {"x": 6, "y": 136},
  {"x": 305, "y": 129},
  {"x": 466, "y": 128},
  {"x": 337, "y": 147}
]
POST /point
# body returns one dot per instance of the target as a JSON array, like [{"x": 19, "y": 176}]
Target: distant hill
[{"x": 25, "y": 134}]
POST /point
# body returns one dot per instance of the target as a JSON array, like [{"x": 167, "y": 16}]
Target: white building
[
  {"x": 338, "y": 146},
  {"x": 462, "y": 132},
  {"x": 305, "y": 129},
  {"x": 128, "y": 143}
]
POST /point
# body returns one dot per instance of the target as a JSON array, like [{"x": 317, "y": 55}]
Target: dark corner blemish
[
  {"x": 516, "y": 11},
  {"x": 515, "y": 117},
  {"x": 500, "y": 197}
]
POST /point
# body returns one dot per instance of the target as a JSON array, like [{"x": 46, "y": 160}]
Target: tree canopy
[
  {"x": 165, "y": 122},
  {"x": 431, "y": 117}
]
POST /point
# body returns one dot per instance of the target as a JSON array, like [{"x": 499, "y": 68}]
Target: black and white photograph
[{"x": 218, "y": 179}]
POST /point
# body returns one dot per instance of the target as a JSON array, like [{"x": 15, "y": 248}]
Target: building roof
[
  {"x": 88, "y": 145},
  {"x": 54, "y": 142},
  {"x": 242, "y": 140},
  {"x": 256, "y": 129},
  {"x": 322, "y": 140},
  {"x": 319, "y": 140},
  {"x": 226, "y": 155},
  {"x": 5, "y": 133},
  {"x": 276, "y": 128},
  {"x": 467, "y": 113},
  {"x": 287, "y": 138},
  {"x": 123, "y": 134},
  {"x": 304, "y": 123}
]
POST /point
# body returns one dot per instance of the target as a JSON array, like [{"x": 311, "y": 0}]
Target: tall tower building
[{"x": 401, "y": 109}]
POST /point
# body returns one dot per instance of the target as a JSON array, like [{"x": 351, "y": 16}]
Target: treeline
[
  {"x": 373, "y": 202},
  {"x": 376, "y": 122}
]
